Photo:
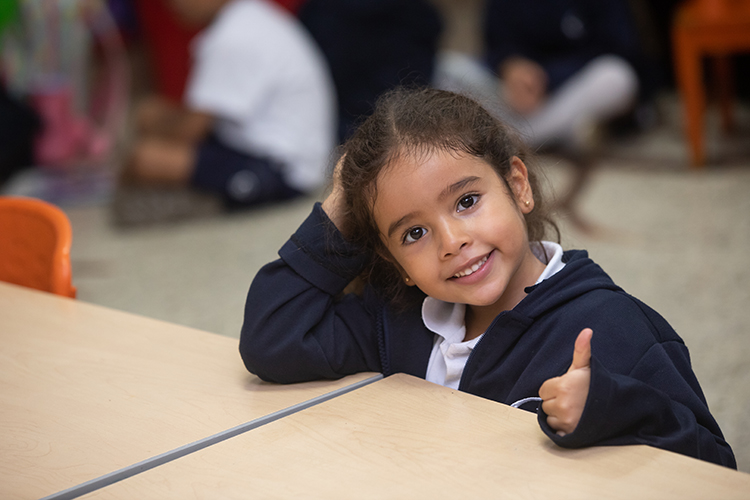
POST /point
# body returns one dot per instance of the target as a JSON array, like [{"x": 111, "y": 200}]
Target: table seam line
[{"x": 168, "y": 456}]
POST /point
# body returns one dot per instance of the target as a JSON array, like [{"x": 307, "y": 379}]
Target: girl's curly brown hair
[{"x": 417, "y": 122}]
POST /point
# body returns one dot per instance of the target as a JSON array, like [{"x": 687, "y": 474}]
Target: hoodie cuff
[{"x": 318, "y": 252}]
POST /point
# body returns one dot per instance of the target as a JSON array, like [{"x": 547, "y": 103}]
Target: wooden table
[
  {"x": 403, "y": 437},
  {"x": 86, "y": 392}
]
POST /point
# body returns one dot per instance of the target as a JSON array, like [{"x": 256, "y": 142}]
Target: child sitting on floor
[{"x": 258, "y": 123}]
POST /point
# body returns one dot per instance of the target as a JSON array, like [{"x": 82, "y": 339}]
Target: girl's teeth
[{"x": 470, "y": 270}]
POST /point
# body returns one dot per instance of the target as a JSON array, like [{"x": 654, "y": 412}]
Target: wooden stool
[{"x": 716, "y": 28}]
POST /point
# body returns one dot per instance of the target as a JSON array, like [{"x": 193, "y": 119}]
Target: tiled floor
[{"x": 674, "y": 237}]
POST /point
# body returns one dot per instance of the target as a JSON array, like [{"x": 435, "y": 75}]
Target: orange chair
[
  {"x": 35, "y": 239},
  {"x": 717, "y": 28}
]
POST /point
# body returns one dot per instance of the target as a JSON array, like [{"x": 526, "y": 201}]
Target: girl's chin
[
  {"x": 482, "y": 304},
  {"x": 483, "y": 301}
]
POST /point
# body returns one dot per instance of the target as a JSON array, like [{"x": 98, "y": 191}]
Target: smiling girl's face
[{"x": 455, "y": 231}]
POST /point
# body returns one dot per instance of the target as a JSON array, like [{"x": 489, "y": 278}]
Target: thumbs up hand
[{"x": 564, "y": 397}]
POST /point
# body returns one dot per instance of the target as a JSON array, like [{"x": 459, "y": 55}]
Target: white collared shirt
[{"x": 449, "y": 351}]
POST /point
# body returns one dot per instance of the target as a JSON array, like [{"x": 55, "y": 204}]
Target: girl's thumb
[{"x": 582, "y": 352}]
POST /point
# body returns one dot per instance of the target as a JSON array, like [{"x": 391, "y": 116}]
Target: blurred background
[{"x": 665, "y": 214}]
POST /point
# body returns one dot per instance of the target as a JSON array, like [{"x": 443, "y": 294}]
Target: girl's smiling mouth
[{"x": 471, "y": 269}]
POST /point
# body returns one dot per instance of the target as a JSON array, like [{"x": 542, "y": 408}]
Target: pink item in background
[{"x": 66, "y": 136}]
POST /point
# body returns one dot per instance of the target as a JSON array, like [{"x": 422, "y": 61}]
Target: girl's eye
[
  {"x": 467, "y": 201},
  {"x": 414, "y": 234}
]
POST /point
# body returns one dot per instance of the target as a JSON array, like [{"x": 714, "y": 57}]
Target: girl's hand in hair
[
  {"x": 333, "y": 204},
  {"x": 564, "y": 397}
]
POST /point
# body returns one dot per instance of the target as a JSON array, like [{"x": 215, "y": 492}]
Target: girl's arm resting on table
[
  {"x": 659, "y": 403},
  {"x": 296, "y": 327}
]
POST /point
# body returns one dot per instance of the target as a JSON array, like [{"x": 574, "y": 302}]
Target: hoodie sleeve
[
  {"x": 658, "y": 403},
  {"x": 297, "y": 326}
]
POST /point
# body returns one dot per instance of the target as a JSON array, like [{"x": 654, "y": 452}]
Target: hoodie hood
[{"x": 580, "y": 276}]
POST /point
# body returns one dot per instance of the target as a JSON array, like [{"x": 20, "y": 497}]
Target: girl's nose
[{"x": 453, "y": 237}]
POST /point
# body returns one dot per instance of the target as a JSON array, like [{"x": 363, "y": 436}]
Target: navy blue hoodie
[{"x": 299, "y": 327}]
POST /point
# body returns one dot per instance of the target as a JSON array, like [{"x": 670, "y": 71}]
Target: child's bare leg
[
  {"x": 152, "y": 113},
  {"x": 155, "y": 161}
]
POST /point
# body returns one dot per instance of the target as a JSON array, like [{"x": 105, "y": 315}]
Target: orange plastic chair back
[{"x": 35, "y": 239}]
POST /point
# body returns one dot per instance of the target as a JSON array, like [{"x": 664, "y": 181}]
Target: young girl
[{"x": 435, "y": 208}]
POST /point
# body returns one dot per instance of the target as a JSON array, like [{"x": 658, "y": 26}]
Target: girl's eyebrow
[
  {"x": 456, "y": 186},
  {"x": 392, "y": 228}
]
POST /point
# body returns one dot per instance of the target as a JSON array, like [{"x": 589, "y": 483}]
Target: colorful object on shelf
[{"x": 47, "y": 58}]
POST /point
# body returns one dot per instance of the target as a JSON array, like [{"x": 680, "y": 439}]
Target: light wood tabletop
[
  {"x": 403, "y": 437},
  {"x": 86, "y": 390}
]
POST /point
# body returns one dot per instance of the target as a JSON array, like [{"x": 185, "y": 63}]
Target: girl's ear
[
  {"x": 387, "y": 256},
  {"x": 518, "y": 180}
]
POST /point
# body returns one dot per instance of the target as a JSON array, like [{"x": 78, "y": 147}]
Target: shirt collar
[
  {"x": 552, "y": 251},
  {"x": 447, "y": 319},
  {"x": 444, "y": 318}
]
